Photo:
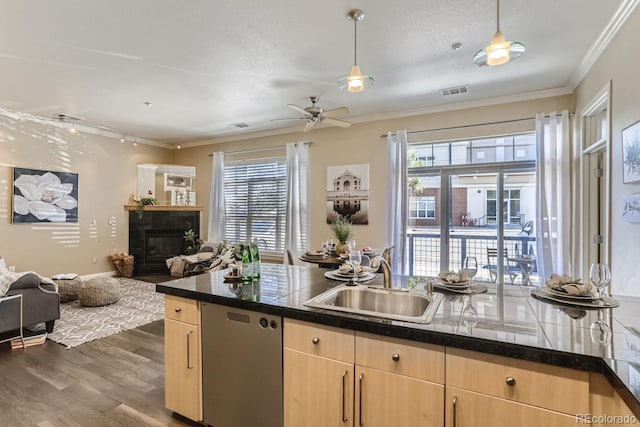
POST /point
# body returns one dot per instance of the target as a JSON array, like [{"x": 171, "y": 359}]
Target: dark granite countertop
[{"x": 509, "y": 323}]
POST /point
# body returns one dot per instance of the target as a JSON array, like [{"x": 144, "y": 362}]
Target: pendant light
[
  {"x": 500, "y": 51},
  {"x": 355, "y": 81}
]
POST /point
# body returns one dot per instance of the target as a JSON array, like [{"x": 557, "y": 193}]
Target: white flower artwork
[{"x": 43, "y": 196}]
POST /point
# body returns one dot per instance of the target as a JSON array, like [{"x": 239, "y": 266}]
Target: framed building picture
[
  {"x": 631, "y": 153},
  {"x": 348, "y": 193},
  {"x": 44, "y": 196}
]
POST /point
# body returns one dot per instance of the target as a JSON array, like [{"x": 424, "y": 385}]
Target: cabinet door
[
  {"x": 384, "y": 399},
  {"x": 318, "y": 392},
  {"x": 182, "y": 361},
  {"x": 479, "y": 410}
]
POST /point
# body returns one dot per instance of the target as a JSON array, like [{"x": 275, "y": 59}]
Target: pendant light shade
[
  {"x": 500, "y": 51},
  {"x": 355, "y": 81}
]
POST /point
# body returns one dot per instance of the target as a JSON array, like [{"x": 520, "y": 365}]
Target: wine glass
[
  {"x": 355, "y": 258},
  {"x": 600, "y": 276},
  {"x": 351, "y": 244},
  {"x": 469, "y": 313},
  {"x": 470, "y": 267},
  {"x": 600, "y": 330}
]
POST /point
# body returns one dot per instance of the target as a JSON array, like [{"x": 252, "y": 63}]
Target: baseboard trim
[{"x": 103, "y": 274}]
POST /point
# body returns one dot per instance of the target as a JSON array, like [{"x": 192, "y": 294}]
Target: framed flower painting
[
  {"x": 44, "y": 196},
  {"x": 631, "y": 153}
]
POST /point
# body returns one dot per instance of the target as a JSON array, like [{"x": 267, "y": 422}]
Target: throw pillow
[{"x": 3, "y": 266}]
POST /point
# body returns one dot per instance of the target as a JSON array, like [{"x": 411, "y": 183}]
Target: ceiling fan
[{"x": 314, "y": 115}]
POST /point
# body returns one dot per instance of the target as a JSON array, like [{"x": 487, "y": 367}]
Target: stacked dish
[
  {"x": 458, "y": 282},
  {"x": 568, "y": 290},
  {"x": 315, "y": 254},
  {"x": 345, "y": 273}
]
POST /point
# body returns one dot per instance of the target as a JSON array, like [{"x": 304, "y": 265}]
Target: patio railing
[{"x": 424, "y": 252}]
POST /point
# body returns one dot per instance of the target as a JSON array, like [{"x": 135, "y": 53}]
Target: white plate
[
  {"x": 457, "y": 285},
  {"x": 562, "y": 294},
  {"x": 362, "y": 278},
  {"x": 473, "y": 289},
  {"x": 542, "y": 295},
  {"x": 349, "y": 274}
]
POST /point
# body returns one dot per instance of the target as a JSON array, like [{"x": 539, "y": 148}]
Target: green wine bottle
[
  {"x": 247, "y": 264},
  {"x": 255, "y": 256}
]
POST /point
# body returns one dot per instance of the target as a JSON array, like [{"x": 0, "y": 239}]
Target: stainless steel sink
[{"x": 395, "y": 304}]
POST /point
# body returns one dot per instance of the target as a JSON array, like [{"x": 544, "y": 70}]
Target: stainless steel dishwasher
[{"x": 241, "y": 367}]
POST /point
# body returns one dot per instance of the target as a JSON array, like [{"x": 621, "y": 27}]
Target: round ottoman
[
  {"x": 68, "y": 288},
  {"x": 99, "y": 291}
]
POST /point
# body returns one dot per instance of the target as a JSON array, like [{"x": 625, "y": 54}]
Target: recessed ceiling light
[
  {"x": 147, "y": 103},
  {"x": 240, "y": 125},
  {"x": 456, "y": 46}
]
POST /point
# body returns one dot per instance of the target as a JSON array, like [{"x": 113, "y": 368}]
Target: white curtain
[
  {"x": 397, "y": 203},
  {"x": 297, "y": 219},
  {"x": 553, "y": 216},
  {"x": 217, "y": 217}
]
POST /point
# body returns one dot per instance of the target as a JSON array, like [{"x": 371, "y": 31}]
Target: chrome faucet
[{"x": 386, "y": 274}]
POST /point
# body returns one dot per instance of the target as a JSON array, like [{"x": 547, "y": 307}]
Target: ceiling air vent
[
  {"x": 454, "y": 90},
  {"x": 239, "y": 125},
  {"x": 61, "y": 117}
]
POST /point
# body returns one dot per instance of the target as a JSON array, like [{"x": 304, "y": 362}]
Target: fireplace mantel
[{"x": 163, "y": 208}]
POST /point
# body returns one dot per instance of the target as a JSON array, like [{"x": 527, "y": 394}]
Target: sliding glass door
[{"x": 459, "y": 210}]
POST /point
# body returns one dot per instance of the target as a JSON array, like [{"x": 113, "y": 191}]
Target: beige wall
[
  {"x": 107, "y": 175},
  {"x": 361, "y": 143},
  {"x": 619, "y": 64}
]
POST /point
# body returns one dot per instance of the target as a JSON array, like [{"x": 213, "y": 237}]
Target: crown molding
[
  {"x": 80, "y": 127},
  {"x": 527, "y": 96},
  {"x": 594, "y": 52}
]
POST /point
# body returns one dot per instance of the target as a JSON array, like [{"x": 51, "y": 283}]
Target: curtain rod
[
  {"x": 470, "y": 126},
  {"x": 255, "y": 150}
]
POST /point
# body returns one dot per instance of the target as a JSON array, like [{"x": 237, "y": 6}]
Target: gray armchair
[{"x": 40, "y": 303}]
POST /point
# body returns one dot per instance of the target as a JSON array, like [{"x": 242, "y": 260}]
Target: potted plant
[
  {"x": 341, "y": 228},
  {"x": 144, "y": 201}
]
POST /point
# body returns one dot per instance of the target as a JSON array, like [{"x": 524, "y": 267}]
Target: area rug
[{"x": 139, "y": 304}]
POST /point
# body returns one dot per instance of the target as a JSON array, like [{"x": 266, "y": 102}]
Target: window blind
[{"x": 255, "y": 198}]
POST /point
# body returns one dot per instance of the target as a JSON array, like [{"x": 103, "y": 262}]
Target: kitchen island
[{"x": 509, "y": 324}]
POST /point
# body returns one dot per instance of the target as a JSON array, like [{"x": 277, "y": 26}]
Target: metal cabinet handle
[
  {"x": 178, "y": 309},
  {"x": 360, "y": 400},
  {"x": 510, "y": 381},
  {"x": 315, "y": 340},
  {"x": 395, "y": 357},
  {"x": 344, "y": 401},
  {"x": 189, "y": 366},
  {"x": 455, "y": 421}
]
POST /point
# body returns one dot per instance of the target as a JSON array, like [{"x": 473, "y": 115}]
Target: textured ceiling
[{"x": 205, "y": 65}]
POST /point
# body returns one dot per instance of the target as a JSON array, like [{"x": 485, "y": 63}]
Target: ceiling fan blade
[
  {"x": 290, "y": 118},
  {"x": 298, "y": 109},
  {"x": 336, "y": 122},
  {"x": 310, "y": 125},
  {"x": 336, "y": 112}
]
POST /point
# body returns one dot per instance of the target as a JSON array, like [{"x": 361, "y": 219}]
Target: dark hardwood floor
[{"x": 115, "y": 381}]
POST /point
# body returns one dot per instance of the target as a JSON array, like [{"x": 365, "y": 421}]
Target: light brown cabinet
[
  {"x": 183, "y": 365},
  {"x": 607, "y": 407},
  {"x": 485, "y": 390},
  {"x": 318, "y": 375},
  {"x": 333, "y": 377},
  {"x": 398, "y": 383}
]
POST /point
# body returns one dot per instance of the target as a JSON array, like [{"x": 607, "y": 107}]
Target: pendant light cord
[
  {"x": 355, "y": 41},
  {"x": 498, "y": 14}
]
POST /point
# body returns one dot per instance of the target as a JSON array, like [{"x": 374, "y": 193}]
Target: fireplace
[{"x": 158, "y": 235}]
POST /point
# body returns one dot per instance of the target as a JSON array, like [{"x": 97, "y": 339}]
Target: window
[
  {"x": 473, "y": 184},
  {"x": 511, "y": 207},
  {"x": 255, "y": 197},
  {"x": 422, "y": 207}
]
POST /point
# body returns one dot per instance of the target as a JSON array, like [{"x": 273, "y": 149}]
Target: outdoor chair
[{"x": 492, "y": 265}]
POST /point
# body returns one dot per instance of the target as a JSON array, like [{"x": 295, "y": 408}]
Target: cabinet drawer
[
  {"x": 478, "y": 410},
  {"x": 409, "y": 358},
  {"x": 319, "y": 340},
  {"x": 182, "y": 309},
  {"x": 552, "y": 387}
]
